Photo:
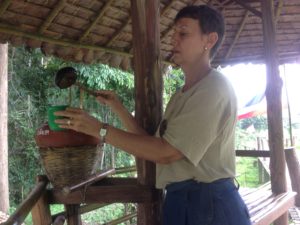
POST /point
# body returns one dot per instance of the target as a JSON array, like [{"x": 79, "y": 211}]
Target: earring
[{"x": 205, "y": 48}]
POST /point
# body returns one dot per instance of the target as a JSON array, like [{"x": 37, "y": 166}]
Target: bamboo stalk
[
  {"x": 101, "y": 13},
  {"x": 58, "y": 7},
  {"x": 4, "y": 6},
  {"x": 125, "y": 169}
]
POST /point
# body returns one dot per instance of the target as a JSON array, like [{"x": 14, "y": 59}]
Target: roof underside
[{"x": 100, "y": 30}]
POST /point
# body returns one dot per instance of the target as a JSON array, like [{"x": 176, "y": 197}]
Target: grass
[{"x": 247, "y": 171}]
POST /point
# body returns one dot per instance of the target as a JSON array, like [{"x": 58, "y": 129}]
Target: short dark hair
[{"x": 210, "y": 20}]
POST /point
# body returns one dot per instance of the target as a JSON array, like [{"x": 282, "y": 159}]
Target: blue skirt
[{"x": 196, "y": 203}]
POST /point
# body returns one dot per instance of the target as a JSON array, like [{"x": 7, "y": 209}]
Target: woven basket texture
[{"x": 70, "y": 165}]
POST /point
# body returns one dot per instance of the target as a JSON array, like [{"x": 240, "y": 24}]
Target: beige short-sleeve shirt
[{"x": 201, "y": 124}]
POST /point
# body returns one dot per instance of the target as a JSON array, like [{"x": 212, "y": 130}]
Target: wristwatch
[{"x": 103, "y": 132}]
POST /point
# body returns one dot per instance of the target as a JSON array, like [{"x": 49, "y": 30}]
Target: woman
[{"x": 194, "y": 145}]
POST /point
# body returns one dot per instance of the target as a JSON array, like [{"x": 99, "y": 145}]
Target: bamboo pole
[
  {"x": 58, "y": 7},
  {"x": 94, "y": 23},
  {"x": 237, "y": 35},
  {"x": 4, "y": 6}
]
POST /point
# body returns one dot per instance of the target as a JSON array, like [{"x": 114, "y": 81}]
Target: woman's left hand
[{"x": 79, "y": 120}]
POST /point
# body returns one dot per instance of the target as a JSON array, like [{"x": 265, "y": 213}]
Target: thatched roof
[{"x": 100, "y": 30}]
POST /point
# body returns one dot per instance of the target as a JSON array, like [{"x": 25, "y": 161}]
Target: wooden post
[
  {"x": 148, "y": 89},
  {"x": 41, "y": 211},
  {"x": 294, "y": 171},
  {"x": 26, "y": 206},
  {"x": 274, "y": 107},
  {"x": 73, "y": 215},
  {"x": 4, "y": 194}
]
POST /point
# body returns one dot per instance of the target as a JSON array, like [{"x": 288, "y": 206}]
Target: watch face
[{"x": 103, "y": 132}]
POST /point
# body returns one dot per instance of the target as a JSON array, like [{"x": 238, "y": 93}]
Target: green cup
[{"x": 51, "y": 117}]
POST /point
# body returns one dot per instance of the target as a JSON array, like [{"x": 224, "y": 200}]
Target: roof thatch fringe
[
  {"x": 88, "y": 57},
  {"x": 33, "y": 43},
  {"x": 98, "y": 55},
  {"x": 78, "y": 55},
  {"x": 115, "y": 61},
  {"x": 65, "y": 53},
  {"x": 125, "y": 64},
  {"x": 105, "y": 58},
  {"x": 17, "y": 41},
  {"x": 4, "y": 38},
  {"x": 47, "y": 48}
]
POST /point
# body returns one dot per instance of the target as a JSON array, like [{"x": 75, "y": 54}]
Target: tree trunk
[{"x": 4, "y": 194}]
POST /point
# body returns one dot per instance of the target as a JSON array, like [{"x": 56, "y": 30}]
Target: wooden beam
[
  {"x": 238, "y": 33},
  {"x": 41, "y": 214},
  {"x": 73, "y": 215},
  {"x": 105, "y": 194},
  {"x": 283, "y": 58},
  {"x": 54, "y": 12},
  {"x": 274, "y": 105},
  {"x": 64, "y": 42},
  {"x": 4, "y": 6},
  {"x": 278, "y": 10},
  {"x": 148, "y": 89},
  {"x": 252, "y": 153},
  {"x": 248, "y": 7},
  {"x": 94, "y": 23}
]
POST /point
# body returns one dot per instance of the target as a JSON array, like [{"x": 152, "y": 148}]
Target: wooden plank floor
[
  {"x": 294, "y": 213},
  {"x": 264, "y": 207}
]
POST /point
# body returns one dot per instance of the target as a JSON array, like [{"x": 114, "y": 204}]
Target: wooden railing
[
  {"x": 113, "y": 190},
  {"x": 24, "y": 209},
  {"x": 108, "y": 191}
]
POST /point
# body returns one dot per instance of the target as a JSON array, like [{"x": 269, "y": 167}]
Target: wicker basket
[{"x": 70, "y": 165}]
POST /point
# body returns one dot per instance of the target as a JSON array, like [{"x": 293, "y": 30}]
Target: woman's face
[{"x": 189, "y": 42}]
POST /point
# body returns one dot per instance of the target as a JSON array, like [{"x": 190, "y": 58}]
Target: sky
[{"x": 249, "y": 80}]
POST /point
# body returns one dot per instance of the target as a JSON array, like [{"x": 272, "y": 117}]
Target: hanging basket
[
  {"x": 68, "y": 157},
  {"x": 70, "y": 165}
]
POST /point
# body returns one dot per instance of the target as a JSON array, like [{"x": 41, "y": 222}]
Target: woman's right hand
[{"x": 109, "y": 98}]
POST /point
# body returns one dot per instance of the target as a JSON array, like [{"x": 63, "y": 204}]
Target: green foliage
[
  {"x": 259, "y": 123},
  {"x": 28, "y": 82},
  {"x": 32, "y": 89},
  {"x": 173, "y": 80},
  {"x": 247, "y": 172}
]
